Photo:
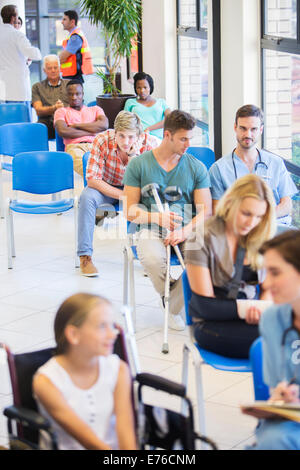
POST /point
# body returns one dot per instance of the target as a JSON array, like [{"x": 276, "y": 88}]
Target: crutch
[
  {"x": 170, "y": 195},
  {"x": 147, "y": 191}
]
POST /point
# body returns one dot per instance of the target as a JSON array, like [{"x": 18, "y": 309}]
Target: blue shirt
[
  {"x": 222, "y": 176},
  {"x": 189, "y": 174},
  {"x": 280, "y": 362},
  {"x": 74, "y": 43}
]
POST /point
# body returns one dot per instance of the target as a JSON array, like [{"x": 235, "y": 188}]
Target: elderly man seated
[
  {"x": 49, "y": 94},
  {"x": 110, "y": 154},
  {"x": 78, "y": 124}
]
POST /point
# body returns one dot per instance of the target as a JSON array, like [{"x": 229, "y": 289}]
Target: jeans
[{"x": 90, "y": 200}]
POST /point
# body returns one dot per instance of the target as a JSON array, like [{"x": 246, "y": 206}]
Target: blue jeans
[{"x": 90, "y": 200}]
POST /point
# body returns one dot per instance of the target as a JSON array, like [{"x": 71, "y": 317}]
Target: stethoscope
[
  {"x": 283, "y": 343},
  {"x": 260, "y": 163}
]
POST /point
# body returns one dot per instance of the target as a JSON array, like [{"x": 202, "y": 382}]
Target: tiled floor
[{"x": 43, "y": 275}]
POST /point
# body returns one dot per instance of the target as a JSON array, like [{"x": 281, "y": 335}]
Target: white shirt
[
  {"x": 14, "y": 72},
  {"x": 95, "y": 405}
]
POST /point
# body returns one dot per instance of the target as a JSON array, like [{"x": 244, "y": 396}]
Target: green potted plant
[{"x": 120, "y": 22}]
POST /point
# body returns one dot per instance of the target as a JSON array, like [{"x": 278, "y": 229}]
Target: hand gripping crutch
[{"x": 148, "y": 190}]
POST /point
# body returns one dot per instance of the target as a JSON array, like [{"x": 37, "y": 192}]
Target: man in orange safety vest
[{"x": 76, "y": 58}]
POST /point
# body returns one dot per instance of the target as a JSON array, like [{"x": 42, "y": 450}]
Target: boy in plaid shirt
[{"x": 110, "y": 154}]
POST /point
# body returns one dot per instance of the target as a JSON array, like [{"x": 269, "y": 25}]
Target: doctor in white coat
[{"x": 15, "y": 50}]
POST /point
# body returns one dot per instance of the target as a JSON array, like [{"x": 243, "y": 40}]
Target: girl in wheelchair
[{"x": 85, "y": 390}]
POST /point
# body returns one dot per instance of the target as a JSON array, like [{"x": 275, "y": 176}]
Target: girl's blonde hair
[
  {"x": 127, "y": 121},
  {"x": 74, "y": 311},
  {"x": 250, "y": 186}
]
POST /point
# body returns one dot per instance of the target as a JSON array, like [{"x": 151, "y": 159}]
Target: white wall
[{"x": 240, "y": 63}]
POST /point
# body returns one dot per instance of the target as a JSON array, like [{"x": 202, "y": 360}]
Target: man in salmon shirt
[{"x": 78, "y": 124}]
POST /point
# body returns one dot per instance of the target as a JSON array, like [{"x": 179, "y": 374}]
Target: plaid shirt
[{"x": 105, "y": 162}]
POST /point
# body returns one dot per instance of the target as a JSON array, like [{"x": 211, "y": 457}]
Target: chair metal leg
[
  {"x": 200, "y": 396},
  {"x": 132, "y": 289},
  {"x": 77, "y": 263},
  {"x": 184, "y": 375},
  {"x": 2, "y": 210},
  {"x": 8, "y": 236},
  {"x": 131, "y": 341},
  {"x": 125, "y": 276},
  {"x": 13, "y": 250},
  {"x": 128, "y": 283},
  {"x": 165, "y": 346}
]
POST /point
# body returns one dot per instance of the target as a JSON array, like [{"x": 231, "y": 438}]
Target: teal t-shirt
[
  {"x": 148, "y": 115},
  {"x": 189, "y": 174}
]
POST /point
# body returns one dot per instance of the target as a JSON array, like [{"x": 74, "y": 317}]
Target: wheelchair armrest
[
  {"x": 159, "y": 383},
  {"x": 27, "y": 417}
]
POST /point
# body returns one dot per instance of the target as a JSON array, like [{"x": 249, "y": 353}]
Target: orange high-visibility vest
[{"x": 69, "y": 68}]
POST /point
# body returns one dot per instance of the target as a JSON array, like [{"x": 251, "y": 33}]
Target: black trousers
[
  {"x": 230, "y": 338},
  {"x": 220, "y": 330}
]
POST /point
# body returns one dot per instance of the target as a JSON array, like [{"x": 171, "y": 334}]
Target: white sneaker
[{"x": 176, "y": 322}]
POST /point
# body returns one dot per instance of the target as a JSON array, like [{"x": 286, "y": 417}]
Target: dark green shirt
[{"x": 48, "y": 95}]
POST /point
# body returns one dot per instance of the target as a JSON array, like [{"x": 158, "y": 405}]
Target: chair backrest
[
  {"x": 187, "y": 294},
  {"x": 92, "y": 103},
  {"x": 85, "y": 159},
  {"x": 261, "y": 391},
  {"x": 60, "y": 146},
  {"x": 204, "y": 154},
  {"x": 43, "y": 172},
  {"x": 13, "y": 112},
  {"x": 23, "y": 137}
]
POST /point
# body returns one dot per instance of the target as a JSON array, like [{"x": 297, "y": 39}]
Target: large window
[
  {"x": 192, "y": 31},
  {"x": 44, "y": 29},
  {"x": 281, "y": 84}
]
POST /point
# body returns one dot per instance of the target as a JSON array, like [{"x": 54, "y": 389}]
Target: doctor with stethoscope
[{"x": 247, "y": 158}]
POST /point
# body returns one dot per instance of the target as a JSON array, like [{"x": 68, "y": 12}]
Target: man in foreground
[{"x": 168, "y": 166}]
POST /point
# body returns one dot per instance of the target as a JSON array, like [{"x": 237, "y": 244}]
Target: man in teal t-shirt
[{"x": 168, "y": 165}]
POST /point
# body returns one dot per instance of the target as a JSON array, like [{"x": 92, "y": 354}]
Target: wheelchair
[{"x": 156, "y": 428}]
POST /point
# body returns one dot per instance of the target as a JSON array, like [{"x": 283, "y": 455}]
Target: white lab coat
[{"x": 14, "y": 72}]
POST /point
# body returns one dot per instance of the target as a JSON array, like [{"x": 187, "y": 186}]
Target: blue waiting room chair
[
  {"x": 204, "y": 154},
  {"x": 13, "y": 113},
  {"x": 40, "y": 173},
  {"x": 261, "y": 390},
  {"x": 16, "y": 138},
  {"x": 202, "y": 356},
  {"x": 60, "y": 146}
]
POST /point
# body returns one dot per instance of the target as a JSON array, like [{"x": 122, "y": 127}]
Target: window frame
[
  {"x": 278, "y": 44},
  {"x": 201, "y": 33}
]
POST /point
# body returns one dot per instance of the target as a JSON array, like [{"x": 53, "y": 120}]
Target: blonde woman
[
  {"x": 85, "y": 390},
  {"x": 224, "y": 268}
]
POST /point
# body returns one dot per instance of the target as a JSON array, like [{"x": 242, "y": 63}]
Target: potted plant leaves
[{"x": 119, "y": 21}]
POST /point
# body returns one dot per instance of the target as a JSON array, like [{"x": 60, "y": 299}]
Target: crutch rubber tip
[{"x": 165, "y": 348}]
